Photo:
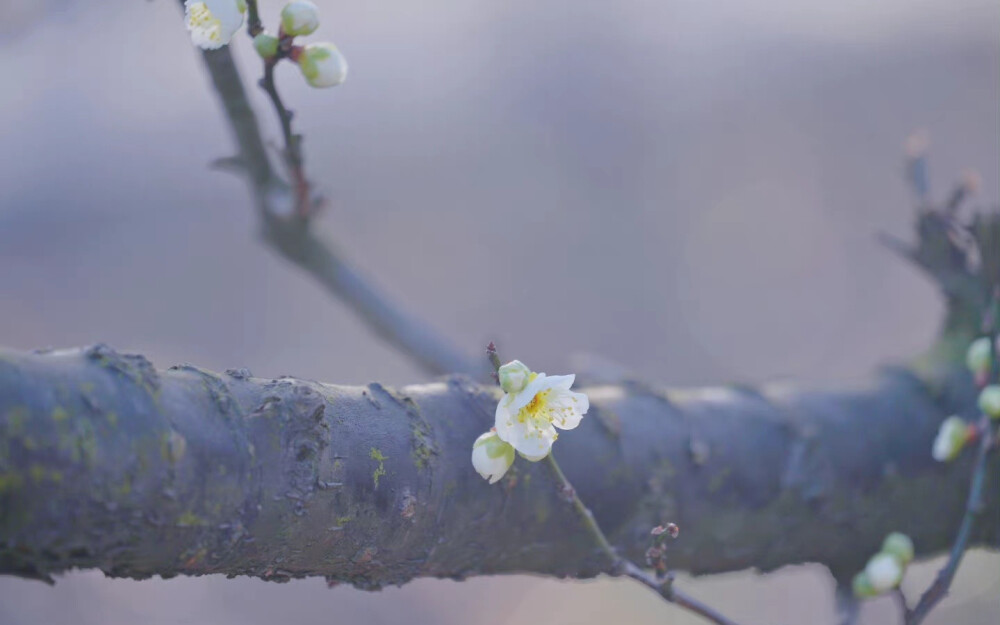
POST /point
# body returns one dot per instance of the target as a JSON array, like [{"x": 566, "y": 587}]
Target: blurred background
[{"x": 690, "y": 190}]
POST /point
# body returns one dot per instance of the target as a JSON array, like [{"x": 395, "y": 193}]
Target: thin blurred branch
[
  {"x": 290, "y": 235},
  {"x": 846, "y": 605},
  {"x": 942, "y": 583},
  {"x": 988, "y": 433}
]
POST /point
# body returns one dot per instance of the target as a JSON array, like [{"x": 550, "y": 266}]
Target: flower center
[
  {"x": 536, "y": 411},
  {"x": 200, "y": 17}
]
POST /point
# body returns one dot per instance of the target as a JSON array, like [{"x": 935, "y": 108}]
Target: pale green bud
[
  {"x": 514, "y": 376},
  {"x": 266, "y": 45},
  {"x": 491, "y": 456},
  {"x": 862, "y": 586},
  {"x": 899, "y": 545},
  {"x": 951, "y": 438},
  {"x": 989, "y": 401},
  {"x": 300, "y": 17},
  {"x": 322, "y": 64},
  {"x": 979, "y": 356}
]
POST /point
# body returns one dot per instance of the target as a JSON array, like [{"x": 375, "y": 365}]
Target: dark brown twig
[
  {"x": 292, "y": 152},
  {"x": 254, "y": 26}
]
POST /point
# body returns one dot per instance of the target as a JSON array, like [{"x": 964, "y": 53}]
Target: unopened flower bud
[
  {"x": 300, "y": 17},
  {"x": 884, "y": 572},
  {"x": 899, "y": 545},
  {"x": 513, "y": 376},
  {"x": 491, "y": 457},
  {"x": 979, "y": 356},
  {"x": 989, "y": 401},
  {"x": 862, "y": 586},
  {"x": 322, "y": 64},
  {"x": 951, "y": 437},
  {"x": 266, "y": 45}
]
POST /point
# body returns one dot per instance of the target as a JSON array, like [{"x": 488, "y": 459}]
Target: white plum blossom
[
  {"x": 299, "y": 18},
  {"x": 322, "y": 64},
  {"x": 951, "y": 437},
  {"x": 884, "y": 571},
  {"x": 491, "y": 457},
  {"x": 528, "y": 418},
  {"x": 213, "y": 23}
]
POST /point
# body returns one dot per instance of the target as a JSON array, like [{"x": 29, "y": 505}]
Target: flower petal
[
  {"x": 567, "y": 408},
  {"x": 563, "y": 382},
  {"x": 212, "y": 23},
  {"x": 504, "y": 420},
  {"x": 523, "y": 398},
  {"x": 534, "y": 443}
]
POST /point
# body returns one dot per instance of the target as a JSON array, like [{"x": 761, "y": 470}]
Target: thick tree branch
[{"x": 107, "y": 463}]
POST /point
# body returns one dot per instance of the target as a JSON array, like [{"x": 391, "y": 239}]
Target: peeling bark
[{"x": 107, "y": 463}]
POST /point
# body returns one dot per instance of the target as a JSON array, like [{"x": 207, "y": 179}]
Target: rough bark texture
[{"x": 106, "y": 462}]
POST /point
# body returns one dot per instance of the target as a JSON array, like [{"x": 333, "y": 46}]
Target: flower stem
[
  {"x": 622, "y": 566},
  {"x": 585, "y": 514}
]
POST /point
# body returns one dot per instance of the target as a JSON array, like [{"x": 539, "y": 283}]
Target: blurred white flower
[
  {"x": 213, "y": 23},
  {"x": 900, "y": 545},
  {"x": 299, "y": 18},
  {"x": 979, "y": 356},
  {"x": 491, "y": 457},
  {"x": 322, "y": 64},
  {"x": 527, "y": 419},
  {"x": 951, "y": 437},
  {"x": 884, "y": 571}
]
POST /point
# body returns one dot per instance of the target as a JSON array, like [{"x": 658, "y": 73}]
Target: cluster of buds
[
  {"x": 213, "y": 23},
  {"x": 885, "y": 569},
  {"x": 955, "y": 433},
  {"x": 656, "y": 555},
  {"x": 532, "y": 407},
  {"x": 321, "y": 64}
]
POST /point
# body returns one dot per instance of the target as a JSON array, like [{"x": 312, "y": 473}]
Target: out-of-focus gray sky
[{"x": 689, "y": 189}]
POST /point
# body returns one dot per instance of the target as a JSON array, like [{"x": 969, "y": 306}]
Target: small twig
[
  {"x": 254, "y": 26},
  {"x": 622, "y": 566},
  {"x": 846, "y": 604},
  {"x": 939, "y": 589},
  {"x": 663, "y": 586},
  {"x": 292, "y": 153},
  {"x": 904, "y": 606}
]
